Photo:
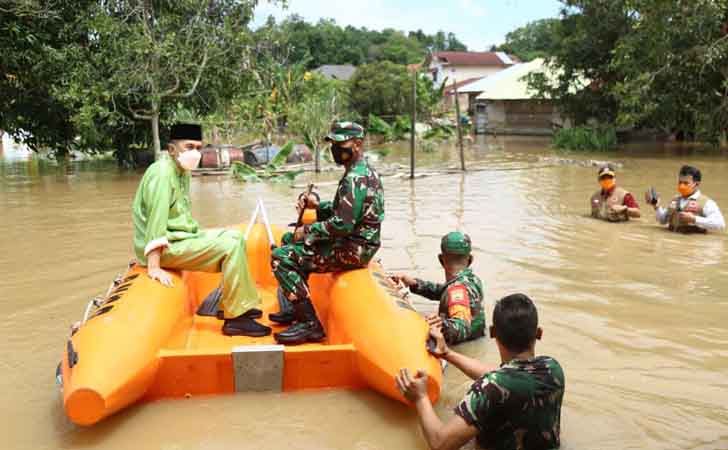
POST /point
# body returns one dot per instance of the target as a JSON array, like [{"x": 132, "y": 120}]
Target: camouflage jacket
[
  {"x": 461, "y": 302},
  {"x": 355, "y": 216},
  {"x": 518, "y": 406}
]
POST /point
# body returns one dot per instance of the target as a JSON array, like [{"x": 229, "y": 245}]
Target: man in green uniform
[
  {"x": 514, "y": 406},
  {"x": 166, "y": 236},
  {"x": 461, "y": 310},
  {"x": 345, "y": 237}
]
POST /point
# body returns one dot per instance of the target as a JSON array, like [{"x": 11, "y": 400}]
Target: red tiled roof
[
  {"x": 474, "y": 58},
  {"x": 450, "y": 89}
]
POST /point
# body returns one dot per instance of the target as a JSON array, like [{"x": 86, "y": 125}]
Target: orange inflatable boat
[{"x": 145, "y": 342}]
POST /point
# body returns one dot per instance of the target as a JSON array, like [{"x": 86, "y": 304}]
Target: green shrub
[
  {"x": 584, "y": 138},
  {"x": 391, "y": 133}
]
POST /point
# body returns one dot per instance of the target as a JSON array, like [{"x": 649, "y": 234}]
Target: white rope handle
[
  {"x": 252, "y": 220},
  {"x": 266, "y": 223},
  {"x": 98, "y": 301}
]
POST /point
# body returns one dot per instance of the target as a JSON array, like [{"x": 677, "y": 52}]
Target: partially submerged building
[{"x": 504, "y": 103}]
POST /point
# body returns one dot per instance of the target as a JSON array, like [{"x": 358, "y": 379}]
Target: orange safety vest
[{"x": 601, "y": 205}]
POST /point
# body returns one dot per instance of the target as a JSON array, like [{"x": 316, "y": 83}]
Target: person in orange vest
[
  {"x": 691, "y": 211},
  {"x": 611, "y": 202}
]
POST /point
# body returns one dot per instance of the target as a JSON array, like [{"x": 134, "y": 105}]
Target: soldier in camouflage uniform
[
  {"x": 345, "y": 237},
  {"x": 516, "y": 406},
  {"x": 461, "y": 296}
]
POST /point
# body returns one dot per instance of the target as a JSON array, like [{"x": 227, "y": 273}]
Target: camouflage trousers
[
  {"x": 292, "y": 262},
  {"x": 457, "y": 330}
]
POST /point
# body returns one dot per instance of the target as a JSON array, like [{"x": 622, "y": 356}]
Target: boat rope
[
  {"x": 98, "y": 301},
  {"x": 252, "y": 220},
  {"x": 268, "y": 229}
]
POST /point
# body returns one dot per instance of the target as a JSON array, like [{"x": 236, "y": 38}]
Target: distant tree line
[{"x": 326, "y": 42}]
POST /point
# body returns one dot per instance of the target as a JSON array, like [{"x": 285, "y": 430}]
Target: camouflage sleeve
[
  {"x": 427, "y": 289},
  {"x": 325, "y": 210},
  {"x": 456, "y": 328},
  {"x": 477, "y": 407},
  {"x": 345, "y": 217}
]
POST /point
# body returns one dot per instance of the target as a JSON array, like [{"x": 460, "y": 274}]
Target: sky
[{"x": 477, "y": 23}]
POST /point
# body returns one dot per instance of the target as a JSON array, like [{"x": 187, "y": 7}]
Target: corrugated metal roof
[
  {"x": 505, "y": 58},
  {"x": 337, "y": 72},
  {"x": 510, "y": 83},
  {"x": 450, "y": 89}
]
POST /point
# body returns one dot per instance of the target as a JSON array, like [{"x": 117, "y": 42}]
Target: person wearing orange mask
[
  {"x": 612, "y": 203},
  {"x": 691, "y": 211}
]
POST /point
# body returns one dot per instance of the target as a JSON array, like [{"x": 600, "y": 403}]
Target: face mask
[
  {"x": 607, "y": 183},
  {"x": 341, "y": 154},
  {"x": 189, "y": 159},
  {"x": 685, "y": 189}
]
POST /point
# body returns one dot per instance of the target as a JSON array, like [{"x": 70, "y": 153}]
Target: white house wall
[{"x": 462, "y": 72}]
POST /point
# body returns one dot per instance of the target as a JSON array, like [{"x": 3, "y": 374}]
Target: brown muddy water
[{"x": 635, "y": 314}]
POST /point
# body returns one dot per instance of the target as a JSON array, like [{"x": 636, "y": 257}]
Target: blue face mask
[{"x": 341, "y": 154}]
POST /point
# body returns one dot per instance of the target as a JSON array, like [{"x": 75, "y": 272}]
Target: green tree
[
  {"x": 384, "y": 89},
  {"x": 325, "y": 42},
  {"x": 581, "y": 49},
  {"x": 655, "y": 64},
  {"x": 321, "y": 104},
  {"x": 32, "y": 35},
  {"x": 398, "y": 49},
  {"x": 380, "y": 88},
  {"x": 674, "y": 68},
  {"x": 534, "y": 40},
  {"x": 146, "y": 56},
  {"x": 454, "y": 44}
]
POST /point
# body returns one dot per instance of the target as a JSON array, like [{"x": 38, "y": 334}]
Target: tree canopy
[
  {"x": 385, "y": 89},
  {"x": 534, "y": 40},
  {"x": 654, "y": 64}
]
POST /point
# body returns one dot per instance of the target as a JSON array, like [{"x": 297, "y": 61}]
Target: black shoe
[
  {"x": 307, "y": 329},
  {"x": 210, "y": 306},
  {"x": 300, "y": 333},
  {"x": 244, "y": 326},
  {"x": 287, "y": 313},
  {"x": 253, "y": 313}
]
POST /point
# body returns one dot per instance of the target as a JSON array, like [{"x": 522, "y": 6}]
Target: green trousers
[{"x": 217, "y": 251}]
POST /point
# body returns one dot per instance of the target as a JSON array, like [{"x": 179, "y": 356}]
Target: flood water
[{"x": 636, "y": 315}]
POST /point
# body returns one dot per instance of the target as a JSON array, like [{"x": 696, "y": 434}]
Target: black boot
[
  {"x": 286, "y": 314},
  {"x": 244, "y": 325},
  {"x": 307, "y": 328}
]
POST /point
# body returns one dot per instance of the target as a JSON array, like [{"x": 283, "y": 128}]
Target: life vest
[
  {"x": 694, "y": 206},
  {"x": 601, "y": 205}
]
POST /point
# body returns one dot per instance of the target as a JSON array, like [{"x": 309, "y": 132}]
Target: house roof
[
  {"x": 498, "y": 59},
  {"x": 336, "y": 72},
  {"x": 511, "y": 84},
  {"x": 450, "y": 89}
]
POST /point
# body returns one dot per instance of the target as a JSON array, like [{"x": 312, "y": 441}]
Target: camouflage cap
[
  {"x": 456, "y": 243},
  {"x": 343, "y": 131}
]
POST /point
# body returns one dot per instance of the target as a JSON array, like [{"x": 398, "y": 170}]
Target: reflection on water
[{"x": 634, "y": 314}]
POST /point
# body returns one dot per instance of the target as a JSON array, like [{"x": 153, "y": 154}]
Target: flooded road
[{"x": 636, "y": 315}]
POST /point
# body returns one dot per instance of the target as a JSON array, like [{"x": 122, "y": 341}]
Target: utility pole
[
  {"x": 413, "y": 134},
  {"x": 457, "y": 124}
]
